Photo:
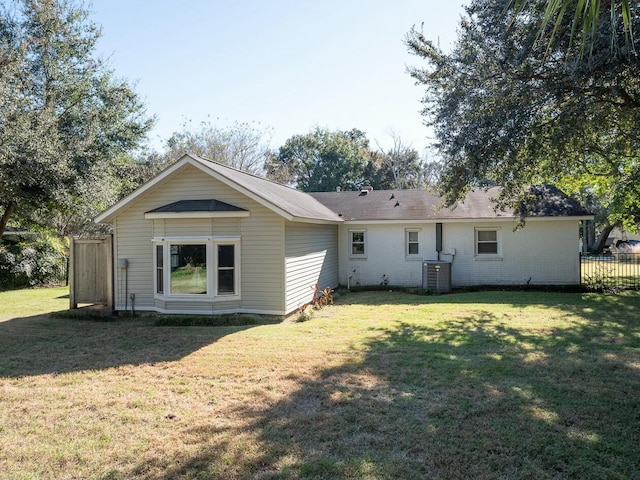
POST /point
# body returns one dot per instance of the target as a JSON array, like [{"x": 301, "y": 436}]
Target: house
[
  {"x": 205, "y": 238},
  {"x": 386, "y": 237}
]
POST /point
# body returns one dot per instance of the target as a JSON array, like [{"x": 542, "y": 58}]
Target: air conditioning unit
[{"x": 436, "y": 276}]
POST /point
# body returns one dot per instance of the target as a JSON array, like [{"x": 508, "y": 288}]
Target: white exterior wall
[
  {"x": 262, "y": 246},
  {"x": 311, "y": 257},
  {"x": 544, "y": 252},
  {"x": 386, "y": 255}
]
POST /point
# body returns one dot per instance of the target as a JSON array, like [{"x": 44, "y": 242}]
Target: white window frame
[
  {"x": 408, "y": 242},
  {"x": 225, "y": 241},
  {"x": 364, "y": 243},
  {"x": 211, "y": 245},
  {"x": 498, "y": 242}
]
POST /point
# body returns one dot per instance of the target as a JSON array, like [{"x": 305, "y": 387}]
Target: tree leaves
[
  {"x": 63, "y": 111},
  {"x": 509, "y": 109}
]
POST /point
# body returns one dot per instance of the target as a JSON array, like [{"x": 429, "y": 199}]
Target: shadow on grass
[
  {"x": 41, "y": 344},
  {"x": 474, "y": 398}
]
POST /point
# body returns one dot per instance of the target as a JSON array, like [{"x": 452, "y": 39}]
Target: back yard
[{"x": 487, "y": 385}]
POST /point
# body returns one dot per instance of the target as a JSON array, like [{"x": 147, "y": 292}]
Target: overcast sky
[{"x": 285, "y": 65}]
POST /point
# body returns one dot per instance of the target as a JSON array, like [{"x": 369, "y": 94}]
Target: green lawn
[{"x": 383, "y": 385}]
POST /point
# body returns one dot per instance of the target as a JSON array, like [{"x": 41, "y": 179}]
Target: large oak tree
[
  {"x": 64, "y": 112},
  {"x": 510, "y": 109}
]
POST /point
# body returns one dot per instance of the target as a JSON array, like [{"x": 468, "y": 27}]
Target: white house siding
[
  {"x": 544, "y": 252},
  {"x": 262, "y": 237},
  {"x": 311, "y": 257},
  {"x": 386, "y": 258}
]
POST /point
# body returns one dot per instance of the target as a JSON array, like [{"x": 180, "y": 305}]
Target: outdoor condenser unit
[{"x": 436, "y": 276}]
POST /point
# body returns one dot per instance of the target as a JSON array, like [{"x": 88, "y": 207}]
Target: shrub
[
  {"x": 34, "y": 261},
  {"x": 235, "y": 320}
]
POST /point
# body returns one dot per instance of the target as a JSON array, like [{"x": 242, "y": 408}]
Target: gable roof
[
  {"x": 412, "y": 205},
  {"x": 291, "y": 204}
]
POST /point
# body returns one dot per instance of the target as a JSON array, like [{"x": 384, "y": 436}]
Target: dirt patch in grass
[{"x": 383, "y": 385}]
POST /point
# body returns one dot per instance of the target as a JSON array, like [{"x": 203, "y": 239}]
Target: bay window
[{"x": 206, "y": 267}]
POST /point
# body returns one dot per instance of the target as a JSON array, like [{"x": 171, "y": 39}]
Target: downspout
[{"x": 438, "y": 239}]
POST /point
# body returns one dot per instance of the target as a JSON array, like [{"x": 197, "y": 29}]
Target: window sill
[
  {"x": 196, "y": 298},
  {"x": 187, "y": 297},
  {"x": 357, "y": 257}
]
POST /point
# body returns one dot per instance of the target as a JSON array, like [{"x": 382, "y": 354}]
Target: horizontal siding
[
  {"x": 311, "y": 257},
  {"x": 543, "y": 253},
  {"x": 386, "y": 255},
  {"x": 194, "y": 227},
  {"x": 262, "y": 236}
]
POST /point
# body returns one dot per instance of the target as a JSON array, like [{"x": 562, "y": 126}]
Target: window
[
  {"x": 188, "y": 269},
  {"x": 413, "y": 246},
  {"x": 159, "y": 269},
  {"x": 226, "y": 270},
  {"x": 358, "y": 243},
  {"x": 487, "y": 241},
  {"x": 197, "y": 266}
]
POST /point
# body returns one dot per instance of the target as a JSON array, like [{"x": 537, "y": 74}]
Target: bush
[
  {"x": 235, "y": 320},
  {"x": 34, "y": 261}
]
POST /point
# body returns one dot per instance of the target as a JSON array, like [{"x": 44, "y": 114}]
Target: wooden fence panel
[{"x": 91, "y": 271}]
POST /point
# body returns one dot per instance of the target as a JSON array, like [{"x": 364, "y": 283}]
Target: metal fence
[{"x": 615, "y": 271}]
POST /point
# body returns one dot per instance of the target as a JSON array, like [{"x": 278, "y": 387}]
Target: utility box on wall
[{"x": 436, "y": 276}]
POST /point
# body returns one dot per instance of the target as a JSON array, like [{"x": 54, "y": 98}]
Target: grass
[{"x": 383, "y": 385}]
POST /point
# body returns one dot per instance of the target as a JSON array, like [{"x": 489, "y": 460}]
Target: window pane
[
  {"x": 488, "y": 248},
  {"x": 357, "y": 249},
  {"x": 189, "y": 269},
  {"x": 413, "y": 249},
  {"x": 357, "y": 237},
  {"x": 487, "y": 235},
  {"x": 226, "y": 283},
  {"x": 159, "y": 256},
  {"x": 159, "y": 269},
  {"x": 159, "y": 281},
  {"x": 226, "y": 256},
  {"x": 413, "y": 236}
]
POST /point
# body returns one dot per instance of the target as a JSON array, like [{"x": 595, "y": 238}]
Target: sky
[{"x": 283, "y": 66}]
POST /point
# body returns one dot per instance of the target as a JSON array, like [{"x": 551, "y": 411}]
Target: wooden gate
[{"x": 91, "y": 272}]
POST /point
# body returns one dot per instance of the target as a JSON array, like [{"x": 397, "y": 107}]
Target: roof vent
[{"x": 366, "y": 190}]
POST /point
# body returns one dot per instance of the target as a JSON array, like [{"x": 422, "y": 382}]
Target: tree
[
  {"x": 321, "y": 160},
  {"x": 510, "y": 110},
  {"x": 400, "y": 166},
  {"x": 240, "y": 145},
  {"x": 586, "y": 19},
  {"x": 63, "y": 111},
  {"x": 93, "y": 193}
]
